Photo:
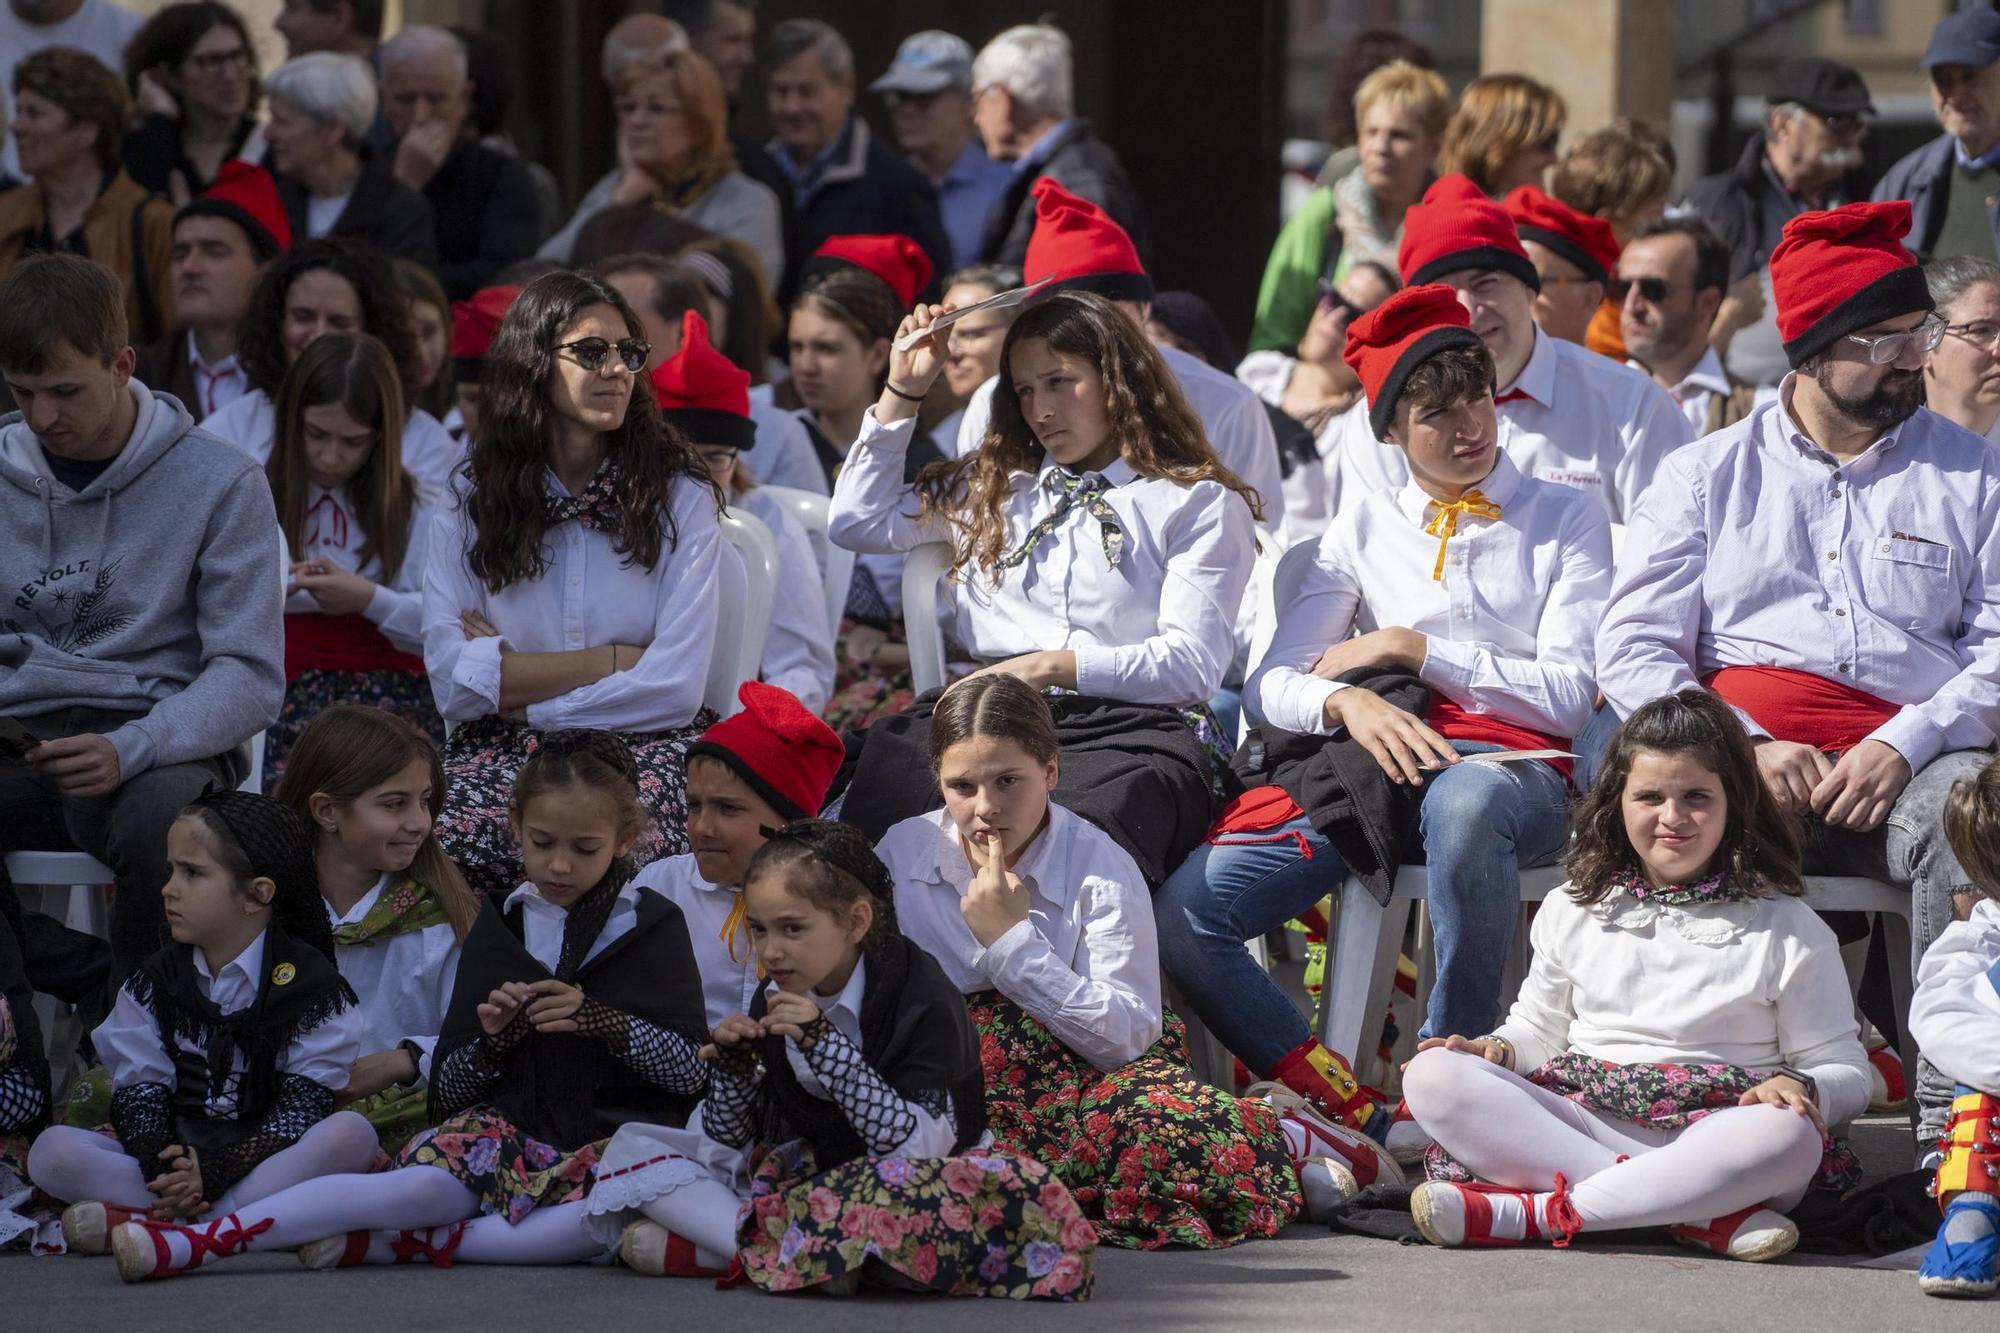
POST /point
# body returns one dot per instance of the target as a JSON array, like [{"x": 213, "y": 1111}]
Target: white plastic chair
[
  {"x": 745, "y": 593},
  {"x": 836, "y": 562},
  {"x": 1365, "y": 937},
  {"x": 922, "y": 569}
]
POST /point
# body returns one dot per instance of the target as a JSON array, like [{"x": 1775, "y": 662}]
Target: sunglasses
[
  {"x": 590, "y": 352},
  {"x": 1655, "y": 290},
  {"x": 1331, "y": 299}
]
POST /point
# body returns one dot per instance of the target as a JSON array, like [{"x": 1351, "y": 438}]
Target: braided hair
[
  {"x": 600, "y": 762},
  {"x": 833, "y": 866},
  {"x": 257, "y": 837}
]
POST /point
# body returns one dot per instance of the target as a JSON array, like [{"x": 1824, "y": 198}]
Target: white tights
[
  {"x": 1506, "y": 1130},
  {"x": 80, "y": 1165},
  {"x": 705, "y": 1212}
]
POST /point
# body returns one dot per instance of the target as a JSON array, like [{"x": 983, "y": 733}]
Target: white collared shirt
[
  {"x": 727, "y": 984},
  {"x": 333, "y": 533},
  {"x": 1086, "y": 962},
  {"x": 1586, "y": 421},
  {"x": 589, "y": 596},
  {"x": 1308, "y": 498},
  {"x": 1697, "y": 389},
  {"x": 429, "y": 452},
  {"x": 1883, "y": 573},
  {"x": 798, "y": 651},
  {"x": 1756, "y": 984},
  {"x": 542, "y": 923},
  {"x": 1955, "y": 1015},
  {"x": 1230, "y": 412},
  {"x": 1511, "y": 625},
  {"x": 128, "y": 1040},
  {"x": 1157, "y": 629},
  {"x": 216, "y": 386},
  {"x": 403, "y": 981}
]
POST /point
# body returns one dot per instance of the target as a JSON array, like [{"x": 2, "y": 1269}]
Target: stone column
[{"x": 1607, "y": 58}]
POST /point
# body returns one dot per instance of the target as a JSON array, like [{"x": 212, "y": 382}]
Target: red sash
[
  {"x": 1799, "y": 706},
  {"x": 1453, "y": 723},
  {"x": 315, "y": 642}
]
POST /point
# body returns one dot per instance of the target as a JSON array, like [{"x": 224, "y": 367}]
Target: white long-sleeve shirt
[
  {"x": 333, "y": 533},
  {"x": 1233, "y": 415},
  {"x": 1086, "y": 962},
  {"x": 1156, "y": 629},
  {"x": 1309, "y": 490},
  {"x": 798, "y": 651},
  {"x": 727, "y": 984},
  {"x": 1510, "y": 626},
  {"x": 1756, "y": 984},
  {"x": 589, "y": 596},
  {"x": 128, "y": 1040},
  {"x": 429, "y": 452},
  {"x": 1755, "y": 548},
  {"x": 403, "y": 981},
  {"x": 1583, "y": 420},
  {"x": 1955, "y": 1014}
]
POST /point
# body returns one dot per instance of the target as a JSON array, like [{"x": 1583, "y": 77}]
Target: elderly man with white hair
[
  {"x": 483, "y": 199},
  {"x": 321, "y": 106},
  {"x": 1025, "y": 111}
]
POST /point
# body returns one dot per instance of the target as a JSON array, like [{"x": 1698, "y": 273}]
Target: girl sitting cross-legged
[
  {"x": 576, "y": 1009},
  {"x": 1685, "y": 1033}
]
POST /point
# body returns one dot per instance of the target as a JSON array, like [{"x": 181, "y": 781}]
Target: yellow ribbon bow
[
  {"x": 1444, "y": 525},
  {"x": 737, "y": 924}
]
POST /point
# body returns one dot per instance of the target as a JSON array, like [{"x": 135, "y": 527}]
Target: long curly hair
[
  {"x": 1157, "y": 433},
  {"x": 384, "y": 316},
  {"x": 1760, "y": 848},
  {"x": 502, "y": 481}
]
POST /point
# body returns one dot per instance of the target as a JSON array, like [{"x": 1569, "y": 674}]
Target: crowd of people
[{"x": 368, "y": 529}]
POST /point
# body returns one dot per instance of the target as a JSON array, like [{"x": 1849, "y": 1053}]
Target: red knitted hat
[
  {"x": 1455, "y": 228},
  {"x": 1389, "y": 342},
  {"x": 246, "y": 195},
  {"x": 1583, "y": 240},
  {"x": 473, "y": 324},
  {"x": 704, "y": 392},
  {"x": 778, "y": 747},
  {"x": 1079, "y": 248},
  {"x": 1843, "y": 269},
  {"x": 897, "y": 260}
]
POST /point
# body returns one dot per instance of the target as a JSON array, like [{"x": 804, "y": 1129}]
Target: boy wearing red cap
[
  {"x": 1566, "y": 414},
  {"x": 223, "y": 240},
  {"x": 1470, "y": 596},
  {"x": 1077, "y": 247},
  {"x": 1574, "y": 255},
  {"x": 707, "y": 396},
  {"x": 1830, "y": 565}
]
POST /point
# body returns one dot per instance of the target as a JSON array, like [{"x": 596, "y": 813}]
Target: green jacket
[{"x": 1290, "y": 289}]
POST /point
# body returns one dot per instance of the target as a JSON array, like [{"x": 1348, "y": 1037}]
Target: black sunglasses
[
  {"x": 1654, "y": 290},
  {"x": 590, "y": 352},
  {"x": 1330, "y": 297}
]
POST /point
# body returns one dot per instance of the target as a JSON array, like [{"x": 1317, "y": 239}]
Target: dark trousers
[{"x": 126, "y": 830}]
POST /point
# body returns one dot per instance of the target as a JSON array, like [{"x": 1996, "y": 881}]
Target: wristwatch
[
  {"x": 416, "y": 1063},
  {"x": 1811, "y": 1084}
]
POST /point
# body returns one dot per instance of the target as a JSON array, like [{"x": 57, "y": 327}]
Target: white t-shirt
[{"x": 98, "y": 27}]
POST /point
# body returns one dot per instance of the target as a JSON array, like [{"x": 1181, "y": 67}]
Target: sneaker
[
  {"x": 648, "y": 1247},
  {"x": 1459, "y": 1216},
  {"x": 1406, "y": 1140},
  {"x": 156, "y": 1251},
  {"x": 1753, "y": 1235},
  {"x": 1326, "y": 1183},
  {"x": 1963, "y": 1260},
  {"x": 1887, "y": 1089},
  {"x": 87, "y": 1227},
  {"x": 1366, "y": 1161}
]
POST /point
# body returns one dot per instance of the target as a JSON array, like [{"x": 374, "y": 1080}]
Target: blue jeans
[{"x": 1480, "y": 824}]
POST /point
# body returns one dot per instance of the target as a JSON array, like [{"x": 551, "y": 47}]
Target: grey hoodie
[{"x": 153, "y": 590}]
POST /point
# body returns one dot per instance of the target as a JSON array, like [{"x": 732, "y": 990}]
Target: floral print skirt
[
  {"x": 1154, "y": 1156},
  {"x": 862, "y": 694},
  {"x": 512, "y": 1172},
  {"x": 1658, "y": 1097},
  {"x": 407, "y": 694},
  {"x": 480, "y": 762},
  {"x": 983, "y": 1223}
]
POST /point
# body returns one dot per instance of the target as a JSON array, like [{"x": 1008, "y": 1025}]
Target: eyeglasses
[
  {"x": 1886, "y": 347},
  {"x": 1980, "y": 334},
  {"x": 215, "y": 62},
  {"x": 1654, "y": 290},
  {"x": 590, "y": 352},
  {"x": 1844, "y": 122}
]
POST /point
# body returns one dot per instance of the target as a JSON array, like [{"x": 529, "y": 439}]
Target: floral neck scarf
[
  {"x": 596, "y": 507},
  {"x": 403, "y": 908},
  {"x": 1701, "y": 893}
]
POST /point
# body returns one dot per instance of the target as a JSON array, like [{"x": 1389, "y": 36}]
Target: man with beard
[
  {"x": 1830, "y": 565},
  {"x": 1670, "y": 281}
]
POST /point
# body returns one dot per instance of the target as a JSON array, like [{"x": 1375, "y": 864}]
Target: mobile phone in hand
[{"x": 15, "y": 741}]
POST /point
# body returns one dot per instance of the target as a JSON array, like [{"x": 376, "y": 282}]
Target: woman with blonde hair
[
  {"x": 1401, "y": 113},
  {"x": 1504, "y": 132},
  {"x": 674, "y": 155}
]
